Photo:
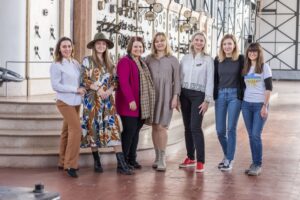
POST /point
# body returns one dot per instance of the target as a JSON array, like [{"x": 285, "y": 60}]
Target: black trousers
[
  {"x": 190, "y": 101},
  {"x": 130, "y": 136}
]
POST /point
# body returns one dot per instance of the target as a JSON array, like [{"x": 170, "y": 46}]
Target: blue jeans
[
  {"x": 227, "y": 111},
  {"x": 254, "y": 124}
]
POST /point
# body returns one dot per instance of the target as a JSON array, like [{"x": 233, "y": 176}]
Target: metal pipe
[
  {"x": 27, "y": 50},
  {"x": 178, "y": 53},
  {"x": 211, "y": 8},
  {"x": 72, "y": 19},
  {"x": 61, "y": 20},
  {"x": 297, "y": 36},
  {"x": 243, "y": 26},
  {"x": 167, "y": 18},
  {"x": 117, "y": 34},
  {"x": 224, "y": 17},
  {"x": 137, "y": 19},
  {"x": 234, "y": 17}
]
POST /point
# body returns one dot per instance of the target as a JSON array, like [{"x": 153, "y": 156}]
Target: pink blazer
[{"x": 129, "y": 87}]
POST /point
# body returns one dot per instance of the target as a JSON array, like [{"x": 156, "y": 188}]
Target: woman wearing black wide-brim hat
[{"x": 101, "y": 125}]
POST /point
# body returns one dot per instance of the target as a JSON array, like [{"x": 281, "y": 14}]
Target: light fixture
[
  {"x": 187, "y": 14},
  {"x": 186, "y": 26},
  {"x": 156, "y": 7},
  {"x": 127, "y": 7},
  {"x": 150, "y": 16},
  {"x": 188, "y": 22}
]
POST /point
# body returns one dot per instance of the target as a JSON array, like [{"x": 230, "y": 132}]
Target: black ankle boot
[
  {"x": 122, "y": 165},
  {"x": 72, "y": 172},
  {"x": 97, "y": 163},
  {"x": 135, "y": 164}
]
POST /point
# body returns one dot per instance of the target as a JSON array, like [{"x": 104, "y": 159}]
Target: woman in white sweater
[
  {"x": 65, "y": 73},
  {"x": 197, "y": 79}
]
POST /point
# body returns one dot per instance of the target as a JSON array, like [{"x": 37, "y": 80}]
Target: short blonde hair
[
  {"x": 192, "y": 49},
  {"x": 168, "y": 50},
  {"x": 235, "y": 53}
]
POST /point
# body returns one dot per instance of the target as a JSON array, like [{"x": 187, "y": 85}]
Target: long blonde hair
[
  {"x": 235, "y": 53},
  {"x": 168, "y": 50},
  {"x": 106, "y": 59},
  {"x": 192, "y": 48}
]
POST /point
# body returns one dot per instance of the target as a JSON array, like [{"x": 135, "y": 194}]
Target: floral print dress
[{"x": 101, "y": 125}]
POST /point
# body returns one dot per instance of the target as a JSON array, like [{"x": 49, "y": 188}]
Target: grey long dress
[{"x": 166, "y": 79}]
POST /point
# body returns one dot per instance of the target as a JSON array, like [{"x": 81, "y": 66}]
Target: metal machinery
[
  {"x": 278, "y": 32},
  {"x": 230, "y": 16},
  {"x": 38, "y": 193},
  {"x": 273, "y": 23}
]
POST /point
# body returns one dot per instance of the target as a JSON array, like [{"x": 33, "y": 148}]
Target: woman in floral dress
[{"x": 101, "y": 126}]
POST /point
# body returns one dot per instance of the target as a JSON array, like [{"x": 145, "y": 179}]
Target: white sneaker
[
  {"x": 228, "y": 164},
  {"x": 250, "y": 168},
  {"x": 221, "y": 164},
  {"x": 255, "y": 171}
]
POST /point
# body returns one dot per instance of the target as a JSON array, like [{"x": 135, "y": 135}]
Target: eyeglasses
[{"x": 252, "y": 51}]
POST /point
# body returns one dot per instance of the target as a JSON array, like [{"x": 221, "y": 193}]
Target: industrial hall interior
[{"x": 150, "y": 99}]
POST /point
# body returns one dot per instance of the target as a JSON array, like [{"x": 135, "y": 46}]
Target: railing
[
  {"x": 9, "y": 76},
  {"x": 27, "y": 74}
]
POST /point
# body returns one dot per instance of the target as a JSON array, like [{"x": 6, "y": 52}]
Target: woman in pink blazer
[{"x": 134, "y": 98}]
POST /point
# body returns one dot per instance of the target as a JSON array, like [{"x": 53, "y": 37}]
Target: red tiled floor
[{"x": 279, "y": 180}]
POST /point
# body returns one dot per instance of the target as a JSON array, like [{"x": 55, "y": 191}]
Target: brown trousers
[{"x": 70, "y": 136}]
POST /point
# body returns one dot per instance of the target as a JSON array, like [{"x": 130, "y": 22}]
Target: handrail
[
  {"x": 7, "y": 75},
  {"x": 27, "y": 75}
]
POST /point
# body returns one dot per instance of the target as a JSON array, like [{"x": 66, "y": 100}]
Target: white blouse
[
  {"x": 197, "y": 73},
  {"x": 65, "y": 78}
]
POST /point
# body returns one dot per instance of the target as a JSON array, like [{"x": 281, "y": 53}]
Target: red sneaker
[
  {"x": 199, "y": 167},
  {"x": 187, "y": 163}
]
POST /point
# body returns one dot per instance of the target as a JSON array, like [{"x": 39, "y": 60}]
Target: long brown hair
[
  {"x": 259, "y": 60},
  {"x": 57, "y": 54},
  {"x": 192, "y": 48},
  {"x": 106, "y": 59},
  {"x": 168, "y": 50},
  {"x": 235, "y": 53}
]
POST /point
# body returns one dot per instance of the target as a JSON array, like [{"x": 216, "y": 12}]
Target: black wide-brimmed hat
[{"x": 100, "y": 37}]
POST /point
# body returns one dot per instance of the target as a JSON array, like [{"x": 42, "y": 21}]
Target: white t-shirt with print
[{"x": 255, "y": 85}]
